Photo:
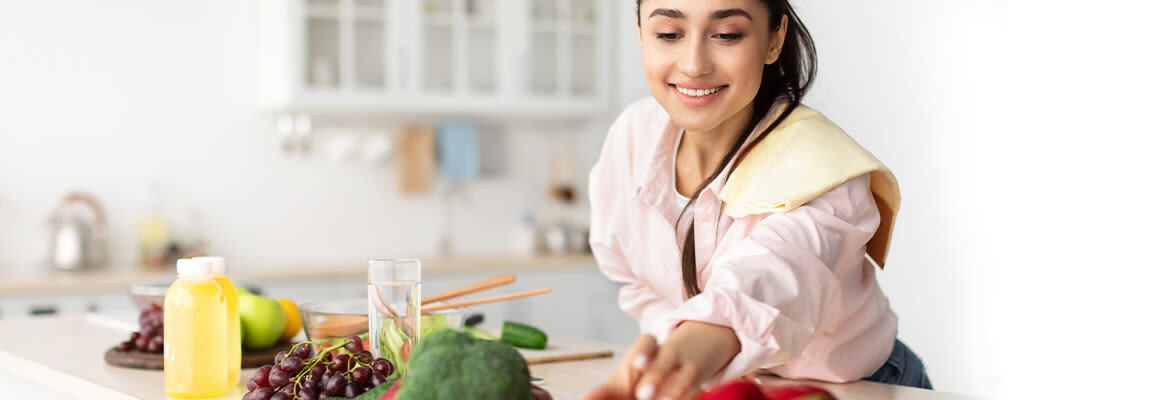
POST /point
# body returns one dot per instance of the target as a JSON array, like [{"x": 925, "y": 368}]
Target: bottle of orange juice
[
  {"x": 195, "y": 334},
  {"x": 219, "y": 274}
]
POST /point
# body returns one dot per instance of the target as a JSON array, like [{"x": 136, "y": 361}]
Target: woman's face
[{"x": 704, "y": 58}]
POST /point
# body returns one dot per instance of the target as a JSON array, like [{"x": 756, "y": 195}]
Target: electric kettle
[{"x": 77, "y": 241}]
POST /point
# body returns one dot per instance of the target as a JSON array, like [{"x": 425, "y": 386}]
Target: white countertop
[
  {"x": 45, "y": 281},
  {"x": 64, "y": 355}
]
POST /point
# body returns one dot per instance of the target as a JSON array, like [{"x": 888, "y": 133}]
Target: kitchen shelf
[{"x": 508, "y": 58}]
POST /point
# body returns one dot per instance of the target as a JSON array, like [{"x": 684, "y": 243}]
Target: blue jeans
[{"x": 903, "y": 368}]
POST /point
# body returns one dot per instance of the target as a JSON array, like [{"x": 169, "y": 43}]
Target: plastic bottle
[
  {"x": 219, "y": 274},
  {"x": 195, "y": 334}
]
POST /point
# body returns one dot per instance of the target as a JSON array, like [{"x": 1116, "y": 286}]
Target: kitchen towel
[
  {"x": 458, "y": 150},
  {"x": 416, "y": 159}
]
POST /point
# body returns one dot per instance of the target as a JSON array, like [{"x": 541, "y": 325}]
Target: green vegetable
[
  {"x": 478, "y": 333},
  {"x": 523, "y": 336},
  {"x": 449, "y": 364}
]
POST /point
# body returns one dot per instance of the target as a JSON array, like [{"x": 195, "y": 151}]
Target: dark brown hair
[{"x": 788, "y": 78}]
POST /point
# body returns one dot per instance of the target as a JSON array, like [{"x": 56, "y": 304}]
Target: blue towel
[{"x": 458, "y": 150}]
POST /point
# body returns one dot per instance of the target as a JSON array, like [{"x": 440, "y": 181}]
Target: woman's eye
[
  {"x": 728, "y": 37},
  {"x": 669, "y": 37}
]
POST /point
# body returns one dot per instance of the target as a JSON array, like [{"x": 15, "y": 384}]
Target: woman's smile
[{"x": 697, "y": 94}]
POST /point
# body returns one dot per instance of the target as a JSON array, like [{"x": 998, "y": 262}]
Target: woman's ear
[{"x": 777, "y": 42}]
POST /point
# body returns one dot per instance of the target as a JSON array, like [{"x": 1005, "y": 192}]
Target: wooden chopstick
[
  {"x": 491, "y": 299},
  {"x": 339, "y": 326},
  {"x": 569, "y": 357},
  {"x": 471, "y": 288}
]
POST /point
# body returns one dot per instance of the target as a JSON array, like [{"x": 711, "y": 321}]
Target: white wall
[{"x": 1026, "y": 138}]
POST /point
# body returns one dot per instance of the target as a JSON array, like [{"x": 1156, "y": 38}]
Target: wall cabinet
[{"x": 479, "y": 57}]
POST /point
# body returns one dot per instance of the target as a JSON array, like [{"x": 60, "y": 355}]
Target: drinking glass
[{"x": 394, "y": 293}]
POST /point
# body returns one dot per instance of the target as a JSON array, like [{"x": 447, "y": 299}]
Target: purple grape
[
  {"x": 352, "y": 390},
  {"x": 368, "y": 354},
  {"x": 126, "y": 346},
  {"x": 354, "y": 345},
  {"x": 292, "y": 364},
  {"x": 377, "y": 379},
  {"x": 360, "y": 375},
  {"x": 262, "y": 394},
  {"x": 383, "y": 366},
  {"x": 329, "y": 357},
  {"x": 277, "y": 378},
  {"x": 307, "y": 393},
  {"x": 327, "y": 375},
  {"x": 288, "y": 390},
  {"x": 318, "y": 370},
  {"x": 142, "y": 342},
  {"x": 279, "y": 357},
  {"x": 280, "y": 396},
  {"x": 261, "y": 375},
  {"x": 341, "y": 363},
  {"x": 303, "y": 351},
  {"x": 155, "y": 345},
  {"x": 335, "y": 386}
]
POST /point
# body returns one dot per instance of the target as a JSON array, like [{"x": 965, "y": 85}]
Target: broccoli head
[{"x": 448, "y": 364}]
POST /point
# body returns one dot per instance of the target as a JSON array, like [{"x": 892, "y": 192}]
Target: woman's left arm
[{"x": 769, "y": 295}]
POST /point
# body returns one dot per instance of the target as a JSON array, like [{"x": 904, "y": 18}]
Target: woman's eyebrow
[
  {"x": 719, "y": 14},
  {"x": 666, "y": 12},
  {"x": 730, "y": 12}
]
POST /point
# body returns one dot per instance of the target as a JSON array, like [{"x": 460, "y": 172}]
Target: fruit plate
[{"x": 143, "y": 360}]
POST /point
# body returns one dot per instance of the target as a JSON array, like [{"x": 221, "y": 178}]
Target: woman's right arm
[{"x": 609, "y": 194}]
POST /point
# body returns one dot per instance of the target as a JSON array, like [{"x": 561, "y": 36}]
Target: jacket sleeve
[{"x": 776, "y": 286}]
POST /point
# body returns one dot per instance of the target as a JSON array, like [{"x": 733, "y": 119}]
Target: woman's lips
[{"x": 697, "y": 95}]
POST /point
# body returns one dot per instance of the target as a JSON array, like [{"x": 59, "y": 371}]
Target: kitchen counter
[
  {"x": 45, "y": 281},
  {"x": 64, "y": 354}
]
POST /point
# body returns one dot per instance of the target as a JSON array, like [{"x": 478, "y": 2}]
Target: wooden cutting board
[
  {"x": 562, "y": 349},
  {"x": 144, "y": 360}
]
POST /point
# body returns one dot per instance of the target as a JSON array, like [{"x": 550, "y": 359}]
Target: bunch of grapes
[
  {"x": 149, "y": 337},
  {"x": 301, "y": 375}
]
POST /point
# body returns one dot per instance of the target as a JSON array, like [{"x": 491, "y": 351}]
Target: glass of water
[{"x": 394, "y": 292}]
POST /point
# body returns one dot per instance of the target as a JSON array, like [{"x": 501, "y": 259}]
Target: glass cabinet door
[
  {"x": 370, "y": 36},
  {"x": 322, "y": 44},
  {"x": 582, "y": 22}
]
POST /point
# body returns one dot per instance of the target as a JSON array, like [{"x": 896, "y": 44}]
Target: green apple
[{"x": 261, "y": 321}]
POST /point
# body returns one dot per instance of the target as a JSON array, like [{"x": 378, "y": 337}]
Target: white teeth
[{"x": 697, "y": 92}]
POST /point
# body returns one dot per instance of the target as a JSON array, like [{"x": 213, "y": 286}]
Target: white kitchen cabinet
[{"x": 474, "y": 57}]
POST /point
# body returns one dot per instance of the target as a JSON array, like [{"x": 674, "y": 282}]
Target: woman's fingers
[
  {"x": 607, "y": 391},
  {"x": 644, "y": 349},
  {"x": 649, "y": 386},
  {"x": 680, "y": 383}
]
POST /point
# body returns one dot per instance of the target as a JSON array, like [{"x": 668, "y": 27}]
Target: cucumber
[{"x": 523, "y": 336}]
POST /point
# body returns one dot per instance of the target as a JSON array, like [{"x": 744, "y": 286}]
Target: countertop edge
[
  {"x": 48, "y": 282},
  {"x": 56, "y": 380}
]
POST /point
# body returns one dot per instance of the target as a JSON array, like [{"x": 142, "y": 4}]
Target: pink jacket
[{"x": 795, "y": 287}]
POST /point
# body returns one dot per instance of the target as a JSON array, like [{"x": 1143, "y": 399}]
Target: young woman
[{"x": 738, "y": 219}]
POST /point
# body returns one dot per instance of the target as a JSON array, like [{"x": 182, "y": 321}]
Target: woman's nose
[{"x": 695, "y": 60}]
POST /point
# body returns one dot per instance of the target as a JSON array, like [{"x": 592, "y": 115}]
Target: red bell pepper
[
  {"x": 735, "y": 390},
  {"x": 798, "y": 392}
]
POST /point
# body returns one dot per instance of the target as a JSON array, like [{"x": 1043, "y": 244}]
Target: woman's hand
[
  {"x": 620, "y": 385},
  {"x": 693, "y": 353}
]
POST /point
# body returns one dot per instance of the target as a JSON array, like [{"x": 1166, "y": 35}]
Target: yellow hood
[{"x": 802, "y": 158}]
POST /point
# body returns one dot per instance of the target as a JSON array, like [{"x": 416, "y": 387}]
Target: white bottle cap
[
  {"x": 192, "y": 267},
  {"x": 218, "y": 265}
]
